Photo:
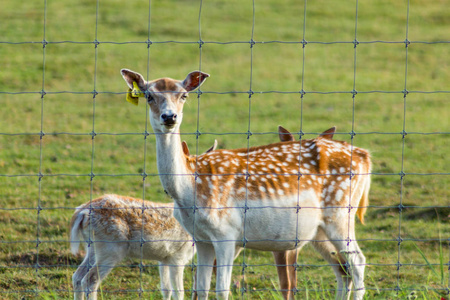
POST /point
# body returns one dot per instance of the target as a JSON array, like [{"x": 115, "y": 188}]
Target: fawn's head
[{"x": 165, "y": 96}]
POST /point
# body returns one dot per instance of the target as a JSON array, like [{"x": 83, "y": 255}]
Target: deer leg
[
  {"x": 176, "y": 279},
  {"x": 81, "y": 272},
  {"x": 342, "y": 236},
  {"x": 205, "y": 259},
  {"x": 357, "y": 266},
  {"x": 106, "y": 259},
  {"x": 292, "y": 256},
  {"x": 225, "y": 253},
  {"x": 282, "y": 270},
  {"x": 92, "y": 280},
  {"x": 287, "y": 275},
  {"x": 164, "y": 278},
  {"x": 332, "y": 256}
]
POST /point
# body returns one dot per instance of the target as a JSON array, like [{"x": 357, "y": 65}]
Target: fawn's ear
[
  {"x": 285, "y": 135},
  {"x": 328, "y": 134},
  {"x": 194, "y": 80},
  {"x": 131, "y": 76},
  {"x": 185, "y": 148}
]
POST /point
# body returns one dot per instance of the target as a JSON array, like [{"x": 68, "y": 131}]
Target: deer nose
[{"x": 169, "y": 118}]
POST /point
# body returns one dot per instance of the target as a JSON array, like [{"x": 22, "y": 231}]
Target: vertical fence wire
[
  {"x": 144, "y": 167},
  {"x": 91, "y": 241},
  {"x": 195, "y": 238},
  {"x": 349, "y": 254},
  {"x": 41, "y": 136},
  {"x": 402, "y": 173},
  {"x": 246, "y": 208},
  {"x": 300, "y": 137}
]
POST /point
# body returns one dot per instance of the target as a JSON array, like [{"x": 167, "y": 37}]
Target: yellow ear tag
[{"x": 134, "y": 94}]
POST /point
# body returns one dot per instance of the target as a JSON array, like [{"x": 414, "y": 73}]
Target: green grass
[{"x": 66, "y": 153}]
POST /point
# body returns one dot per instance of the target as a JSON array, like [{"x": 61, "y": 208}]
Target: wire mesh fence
[{"x": 379, "y": 72}]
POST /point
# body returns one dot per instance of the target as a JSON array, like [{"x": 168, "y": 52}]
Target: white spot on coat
[{"x": 339, "y": 195}]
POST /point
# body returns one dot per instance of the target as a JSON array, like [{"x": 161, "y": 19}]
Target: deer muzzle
[{"x": 169, "y": 119}]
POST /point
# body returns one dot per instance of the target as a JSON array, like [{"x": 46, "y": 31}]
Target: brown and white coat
[{"x": 274, "y": 197}]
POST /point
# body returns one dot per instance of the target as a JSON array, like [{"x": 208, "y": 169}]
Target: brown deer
[
  {"x": 275, "y": 197},
  {"x": 285, "y": 260}
]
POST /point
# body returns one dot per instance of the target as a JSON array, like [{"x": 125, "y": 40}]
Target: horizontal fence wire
[
  {"x": 96, "y": 43},
  {"x": 36, "y": 261}
]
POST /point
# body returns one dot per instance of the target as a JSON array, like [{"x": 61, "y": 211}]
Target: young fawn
[
  {"x": 275, "y": 197},
  {"x": 116, "y": 227}
]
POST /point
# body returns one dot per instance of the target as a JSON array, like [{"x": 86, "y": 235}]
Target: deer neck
[{"x": 174, "y": 174}]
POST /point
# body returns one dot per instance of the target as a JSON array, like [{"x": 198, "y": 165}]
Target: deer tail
[{"x": 76, "y": 228}]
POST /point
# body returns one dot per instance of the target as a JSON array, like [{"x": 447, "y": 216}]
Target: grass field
[{"x": 44, "y": 177}]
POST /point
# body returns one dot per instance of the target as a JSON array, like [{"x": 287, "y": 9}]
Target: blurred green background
[{"x": 51, "y": 89}]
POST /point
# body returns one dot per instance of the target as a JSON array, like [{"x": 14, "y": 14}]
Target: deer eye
[
  {"x": 184, "y": 97},
  {"x": 149, "y": 98}
]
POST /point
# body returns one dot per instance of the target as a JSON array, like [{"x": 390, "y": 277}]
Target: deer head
[{"x": 165, "y": 96}]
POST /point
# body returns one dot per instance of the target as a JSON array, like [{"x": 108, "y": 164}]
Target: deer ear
[
  {"x": 194, "y": 80},
  {"x": 213, "y": 147},
  {"x": 185, "y": 148},
  {"x": 285, "y": 135},
  {"x": 131, "y": 76},
  {"x": 328, "y": 134}
]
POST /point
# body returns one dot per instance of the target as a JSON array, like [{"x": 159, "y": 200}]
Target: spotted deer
[
  {"x": 117, "y": 226},
  {"x": 275, "y": 197},
  {"x": 285, "y": 260}
]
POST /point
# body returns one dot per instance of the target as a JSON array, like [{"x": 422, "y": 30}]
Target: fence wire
[{"x": 245, "y": 258}]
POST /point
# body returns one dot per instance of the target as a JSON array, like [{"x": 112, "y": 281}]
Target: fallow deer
[
  {"x": 285, "y": 260},
  {"x": 116, "y": 227},
  {"x": 275, "y": 197}
]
